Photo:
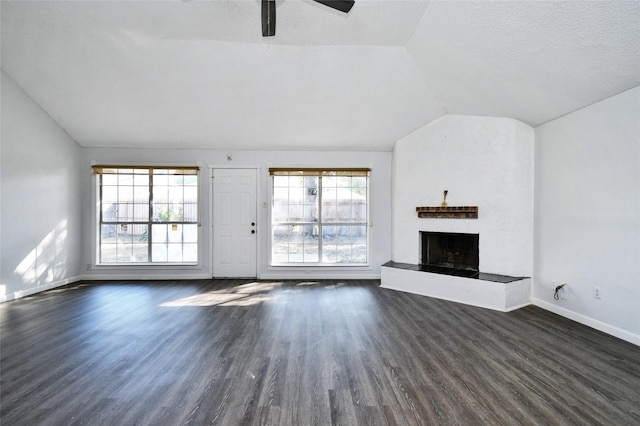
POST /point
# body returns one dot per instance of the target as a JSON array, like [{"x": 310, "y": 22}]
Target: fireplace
[
  {"x": 449, "y": 270},
  {"x": 450, "y": 253}
]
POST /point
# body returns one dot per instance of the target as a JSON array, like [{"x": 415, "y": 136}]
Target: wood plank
[{"x": 298, "y": 352}]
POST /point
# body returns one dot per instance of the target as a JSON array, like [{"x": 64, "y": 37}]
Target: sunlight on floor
[
  {"x": 248, "y": 294},
  {"x": 243, "y": 295}
]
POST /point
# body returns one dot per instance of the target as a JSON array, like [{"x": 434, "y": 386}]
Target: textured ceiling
[
  {"x": 199, "y": 74},
  {"x": 533, "y": 61}
]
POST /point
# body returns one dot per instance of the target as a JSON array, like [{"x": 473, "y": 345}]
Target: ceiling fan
[{"x": 269, "y": 13}]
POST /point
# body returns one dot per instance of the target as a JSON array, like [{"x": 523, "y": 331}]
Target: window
[
  {"x": 147, "y": 214},
  {"x": 319, "y": 216}
]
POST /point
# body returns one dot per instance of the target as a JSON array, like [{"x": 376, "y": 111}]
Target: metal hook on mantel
[{"x": 444, "y": 199}]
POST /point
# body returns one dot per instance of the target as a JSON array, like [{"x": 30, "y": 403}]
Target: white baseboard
[
  {"x": 33, "y": 290},
  {"x": 276, "y": 275},
  {"x": 590, "y": 322},
  {"x": 145, "y": 277}
]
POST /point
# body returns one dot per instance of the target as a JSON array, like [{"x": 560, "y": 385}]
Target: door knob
[
  {"x": 253, "y": 224},
  {"x": 253, "y": 231}
]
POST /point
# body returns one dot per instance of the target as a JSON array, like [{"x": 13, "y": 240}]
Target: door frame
[{"x": 259, "y": 216}]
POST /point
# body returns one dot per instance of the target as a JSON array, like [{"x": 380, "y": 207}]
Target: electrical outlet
[{"x": 597, "y": 292}]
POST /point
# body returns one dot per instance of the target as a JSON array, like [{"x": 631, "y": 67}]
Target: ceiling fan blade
[
  {"x": 341, "y": 5},
  {"x": 268, "y": 18}
]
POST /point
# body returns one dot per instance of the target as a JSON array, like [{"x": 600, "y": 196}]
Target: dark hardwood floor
[{"x": 233, "y": 352}]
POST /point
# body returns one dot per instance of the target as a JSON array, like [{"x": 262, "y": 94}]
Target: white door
[{"x": 234, "y": 223}]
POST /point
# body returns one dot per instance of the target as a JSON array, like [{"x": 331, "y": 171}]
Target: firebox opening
[{"x": 452, "y": 253}]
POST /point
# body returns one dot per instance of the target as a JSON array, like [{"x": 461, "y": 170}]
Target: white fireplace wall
[{"x": 482, "y": 161}]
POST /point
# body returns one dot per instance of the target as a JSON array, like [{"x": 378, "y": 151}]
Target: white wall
[
  {"x": 40, "y": 186},
  {"x": 587, "y": 214},
  {"x": 482, "y": 161},
  {"x": 380, "y": 210}
]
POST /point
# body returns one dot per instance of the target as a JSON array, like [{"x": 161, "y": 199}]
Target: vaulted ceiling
[{"x": 199, "y": 74}]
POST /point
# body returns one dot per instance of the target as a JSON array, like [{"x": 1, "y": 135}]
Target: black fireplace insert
[{"x": 451, "y": 253}]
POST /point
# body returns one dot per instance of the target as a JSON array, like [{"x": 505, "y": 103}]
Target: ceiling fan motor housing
[{"x": 269, "y": 13}]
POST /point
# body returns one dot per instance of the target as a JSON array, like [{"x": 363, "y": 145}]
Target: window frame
[
  {"x": 320, "y": 173},
  {"x": 99, "y": 170}
]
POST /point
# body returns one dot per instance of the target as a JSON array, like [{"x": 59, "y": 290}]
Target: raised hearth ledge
[{"x": 504, "y": 295}]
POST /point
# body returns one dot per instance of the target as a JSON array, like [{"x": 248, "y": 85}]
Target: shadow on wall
[{"x": 46, "y": 263}]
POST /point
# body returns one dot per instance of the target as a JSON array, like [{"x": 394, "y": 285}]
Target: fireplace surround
[{"x": 449, "y": 269}]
